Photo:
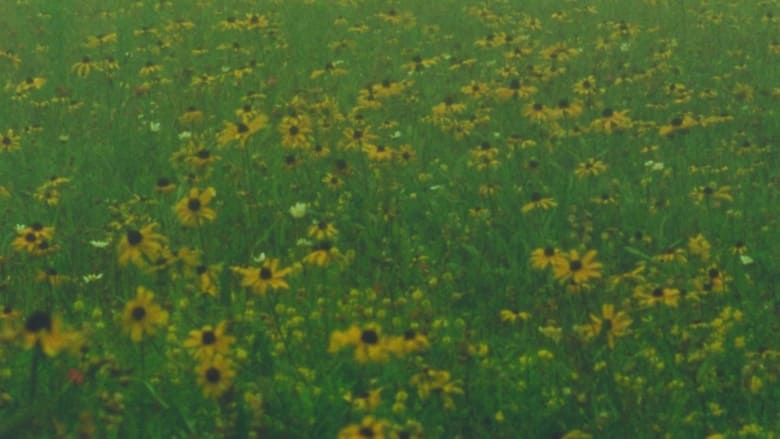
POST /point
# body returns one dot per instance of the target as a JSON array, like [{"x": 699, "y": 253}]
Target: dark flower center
[
  {"x": 293, "y": 130},
  {"x": 138, "y": 313},
  {"x": 658, "y": 292},
  {"x": 200, "y": 269},
  {"x": 203, "y": 154},
  {"x": 134, "y": 237},
  {"x": 208, "y": 337},
  {"x": 213, "y": 375},
  {"x": 266, "y": 273},
  {"x": 549, "y": 251},
  {"x": 163, "y": 181},
  {"x": 38, "y": 321},
  {"x": 608, "y": 112},
  {"x": 29, "y": 237},
  {"x": 369, "y": 336},
  {"x": 575, "y": 265},
  {"x": 366, "y": 432},
  {"x": 193, "y": 204}
]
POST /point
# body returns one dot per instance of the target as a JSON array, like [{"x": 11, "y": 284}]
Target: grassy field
[{"x": 402, "y": 219}]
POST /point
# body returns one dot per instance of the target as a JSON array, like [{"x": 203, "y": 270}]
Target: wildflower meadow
[{"x": 389, "y": 219}]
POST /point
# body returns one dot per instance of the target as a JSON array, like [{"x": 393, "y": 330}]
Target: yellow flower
[
  {"x": 580, "y": 270},
  {"x": 241, "y": 131},
  {"x": 208, "y": 342},
  {"x": 44, "y": 331},
  {"x": 611, "y": 121},
  {"x": 215, "y": 376},
  {"x": 143, "y": 317},
  {"x": 590, "y": 167},
  {"x": 368, "y": 428},
  {"x": 322, "y": 230},
  {"x": 140, "y": 246},
  {"x": 269, "y": 275},
  {"x": 322, "y": 254},
  {"x": 538, "y": 202},
  {"x": 610, "y": 323},
  {"x": 9, "y": 141},
  {"x": 194, "y": 210},
  {"x": 368, "y": 342},
  {"x": 542, "y": 258}
]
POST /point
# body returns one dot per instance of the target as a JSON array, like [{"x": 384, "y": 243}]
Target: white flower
[
  {"x": 298, "y": 210},
  {"x": 154, "y": 127},
  {"x": 91, "y": 277},
  {"x": 745, "y": 259},
  {"x": 258, "y": 259},
  {"x": 303, "y": 242},
  {"x": 98, "y": 244},
  {"x": 185, "y": 135},
  {"x": 20, "y": 227}
]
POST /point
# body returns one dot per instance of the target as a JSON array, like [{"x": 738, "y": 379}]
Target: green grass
[{"x": 436, "y": 246}]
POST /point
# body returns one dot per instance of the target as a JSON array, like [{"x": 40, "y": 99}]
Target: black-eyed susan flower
[
  {"x": 296, "y": 131},
  {"x": 253, "y": 21},
  {"x": 191, "y": 115},
  {"x": 322, "y": 253},
  {"x": 378, "y": 153},
  {"x": 680, "y": 124},
  {"x": 215, "y": 376},
  {"x": 241, "y": 131},
  {"x": 579, "y": 269},
  {"x": 164, "y": 185},
  {"x": 29, "y": 238},
  {"x": 332, "y": 181},
  {"x": 260, "y": 279},
  {"x": 364, "y": 401},
  {"x": 43, "y": 330},
  {"x": 567, "y": 109},
  {"x": 194, "y": 210},
  {"x": 699, "y": 246},
  {"x": 9, "y": 141},
  {"x": 538, "y": 201},
  {"x": 83, "y": 68},
  {"x": 412, "y": 341},
  {"x": 140, "y": 246},
  {"x": 586, "y": 86},
  {"x": 611, "y": 121},
  {"x": 209, "y": 341},
  {"x": 515, "y": 89},
  {"x": 609, "y": 323},
  {"x": 30, "y": 83},
  {"x": 368, "y": 342},
  {"x": 437, "y": 382},
  {"x": 50, "y": 276},
  {"x": 709, "y": 192},
  {"x": 207, "y": 278},
  {"x": 369, "y": 427},
  {"x": 537, "y": 112},
  {"x": 590, "y": 167},
  {"x": 357, "y": 138},
  {"x": 142, "y": 317},
  {"x": 648, "y": 296},
  {"x": 544, "y": 257},
  {"x": 150, "y": 68},
  {"x": 322, "y": 230}
]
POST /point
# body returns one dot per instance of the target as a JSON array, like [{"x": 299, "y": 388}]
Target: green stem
[{"x": 36, "y": 354}]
